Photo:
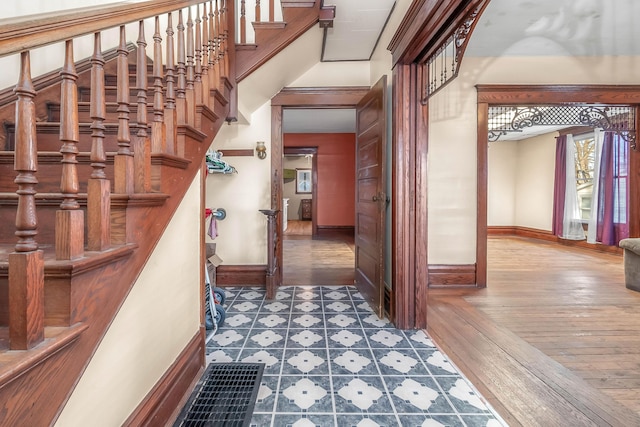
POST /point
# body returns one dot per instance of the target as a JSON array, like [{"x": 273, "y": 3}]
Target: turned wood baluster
[
  {"x": 197, "y": 83},
  {"x": 190, "y": 91},
  {"x": 216, "y": 41},
  {"x": 123, "y": 164},
  {"x": 243, "y": 23},
  {"x": 271, "y": 11},
  {"x": 99, "y": 189},
  {"x": 170, "y": 115},
  {"x": 212, "y": 48},
  {"x": 158, "y": 141},
  {"x": 224, "y": 29},
  {"x": 181, "y": 90},
  {"x": 205, "y": 56},
  {"x": 26, "y": 264},
  {"x": 69, "y": 230},
  {"x": 141, "y": 145},
  {"x": 258, "y": 13}
]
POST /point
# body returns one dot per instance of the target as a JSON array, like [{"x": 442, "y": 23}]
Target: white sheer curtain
[
  {"x": 571, "y": 224},
  {"x": 598, "y": 137}
]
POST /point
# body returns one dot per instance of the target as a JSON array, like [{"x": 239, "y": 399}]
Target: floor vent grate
[{"x": 224, "y": 396}]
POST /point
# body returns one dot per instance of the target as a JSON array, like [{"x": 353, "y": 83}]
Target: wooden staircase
[{"x": 94, "y": 160}]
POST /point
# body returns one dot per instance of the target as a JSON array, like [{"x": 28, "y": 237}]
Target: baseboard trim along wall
[
  {"x": 241, "y": 275},
  {"x": 442, "y": 275},
  {"x": 160, "y": 405}
]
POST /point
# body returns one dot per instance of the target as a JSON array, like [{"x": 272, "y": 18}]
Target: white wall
[
  {"x": 535, "y": 171},
  {"x": 243, "y": 234},
  {"x": 501, "y": 197},
  {"x": 155, "y": 323},
  {"x": 452, "y": 137}
]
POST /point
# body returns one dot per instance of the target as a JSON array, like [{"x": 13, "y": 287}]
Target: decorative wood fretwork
[
  {"x": 505, "y": 119},
  {"x": 443, "y": 65}
]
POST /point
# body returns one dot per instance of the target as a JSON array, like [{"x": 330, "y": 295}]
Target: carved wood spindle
[
  {"x": 205, "y": 56},
  {"x": 212, "y": 49},
  {"x": 243, "y": 23},
  {"x": 26, "y": 264},
  {"x": 197, "y": 83},
  {"x": 99, "y": 189},
  {"x": 170, "y": 115},
  {"x": 123, "y": 164},
  {"x": 158, "y": 140},
  {"x": 224, "y": 27},
  {"x": 216, "y": 41},
  {"x": 181, "y": 90},
  {"x": 69, "y": 230},
  {"x": 190, "y": 91},
  {"x": 141, "y": 145},
  {"x": 258, "y": 13},
  {"x": 271, "y": 11}
]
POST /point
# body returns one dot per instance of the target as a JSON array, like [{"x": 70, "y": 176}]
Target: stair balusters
[
  {"x": 243, "y": 22},
  {"x": 170, "y": 115},
  {"x": 224, "y": 35},
  {"x": 181, "y": 97},
  {"x": 190, "y": 91},
  {"x": 258, "y": 13},
  {"x": 205, "y": 56},
  {"x": 141, "y": 145},
  {"x": 123, "y": 165},
  {"x": 157, "y": 125},
  {"x": 212, "y": 50},
  {"x": 69, "y": 229},
  {"x": 26, "y": 264},
  {"x": 216, "y": 45},
  {"x": 197, "y": 84},
  {"x": 99, "y": 188}
]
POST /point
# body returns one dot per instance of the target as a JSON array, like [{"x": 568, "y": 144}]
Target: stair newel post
[
  {"x": 181, "y": 89},
  {"x": 141, "y": 144},
  {"x": 26, "y": 264},
  {"x": 272, "y": 260},
  {"x": 158, "y": 140},
  {"x": 123, "y": 164},
  {"x": 99, "y": 188},
  {"x": 212, "y": 48},
  {"x": 197, "y": 83},
  {"x": 205, "y": 57},
  {"x": 190, "y": 91},
  {"x": 69, "y": 231},
  {"x": 170, "y": 115},
  {"x": 243, "y": 23}
]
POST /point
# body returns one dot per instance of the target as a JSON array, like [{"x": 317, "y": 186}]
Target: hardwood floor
[
  {"x": 298, "y": 228},
  {"x": 326, "y": 259},
  {"x": 554, "y": 338}
]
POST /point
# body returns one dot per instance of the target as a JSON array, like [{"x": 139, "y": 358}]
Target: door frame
[
  {"x": 547, "y": 94},
  {"x": 298, "y": 98},
  {"x": 314, "y": 181}
]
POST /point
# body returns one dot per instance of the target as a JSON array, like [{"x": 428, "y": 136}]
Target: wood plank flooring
[
  {"x": 554, "y": 338},
  {"x": 326, "y": 259}
]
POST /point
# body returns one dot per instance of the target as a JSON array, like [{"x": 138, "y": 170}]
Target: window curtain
[
  {"x": 598, "y": 137},
  {"x": 612, "y": 219},
  {"x": 571, "y": 221},
  {"x": 559, "y": 185}
]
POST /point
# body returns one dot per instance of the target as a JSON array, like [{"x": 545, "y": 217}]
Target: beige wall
[
  {"x": 155, "y": 323},
  {"x": 501, "y": 197},
  {"x": 452, "y": 137},
  {"x": 289, "y": 188}
]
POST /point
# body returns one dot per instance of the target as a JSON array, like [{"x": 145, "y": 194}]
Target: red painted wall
[{"x": 336, "y": 174}]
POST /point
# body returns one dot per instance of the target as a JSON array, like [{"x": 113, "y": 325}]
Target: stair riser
[{"x": 49, "y": 175}]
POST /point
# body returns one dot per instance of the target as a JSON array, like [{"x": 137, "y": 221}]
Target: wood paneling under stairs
[
  {"x": 552, "y": 341},
  {"x": 326, "y": 259}
]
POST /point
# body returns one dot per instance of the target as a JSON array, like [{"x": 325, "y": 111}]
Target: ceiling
[{"x": 506, "y": 28}]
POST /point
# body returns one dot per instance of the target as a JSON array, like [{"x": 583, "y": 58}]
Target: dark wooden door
[{"x": 370, "y": 195}]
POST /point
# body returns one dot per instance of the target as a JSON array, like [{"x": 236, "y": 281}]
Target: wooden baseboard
[
  {"x": 534, "y": 233},
  {"x": 441, "y": 275},
  {"x": 159, "y": 406},
  {"x": 241, "y": 275}
]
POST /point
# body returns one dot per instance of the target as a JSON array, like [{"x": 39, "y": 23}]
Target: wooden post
[
  {"x": 243, "y": 23},
  {"x": 258, "y": 13},
  {"x": 123, "y": 165},
  {"x": 26, "y": 264},
  {"x": 197, "y": 83},
  {"x": 99, "y": 189},
  {"x": 69, "y": 231},
  {"x": 271, "y": 11},
  {"x": 158, "y": 140},
  {"x": 212, "y": 52},
  {"x": 190, "y": 91},
  {"x": 216, "y": 42},
  {"x": 170, "y": 115},
  {"x": 224, "y": 28},
  {"x": 181, "y": 98},
  {"x": 272, "y": 259},
  {"x": 205, "y": 57},
  {"x": 141, "y": 146}
]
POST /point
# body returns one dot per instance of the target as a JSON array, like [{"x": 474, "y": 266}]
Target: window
[{"x": 584, "y": 162}]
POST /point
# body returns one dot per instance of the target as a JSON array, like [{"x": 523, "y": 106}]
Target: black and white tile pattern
[{"x": 330, "y": 361}]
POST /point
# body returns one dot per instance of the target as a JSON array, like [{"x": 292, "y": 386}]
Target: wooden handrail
[{"x": 33, "y": 31}]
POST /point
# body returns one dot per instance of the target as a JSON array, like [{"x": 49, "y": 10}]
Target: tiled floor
[{"x": 329, "y": 361}]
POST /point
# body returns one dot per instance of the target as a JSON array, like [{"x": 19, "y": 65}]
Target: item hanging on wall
[
  {"x": 217, "y": 214},
  {"x": 215, "y": 164}
]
